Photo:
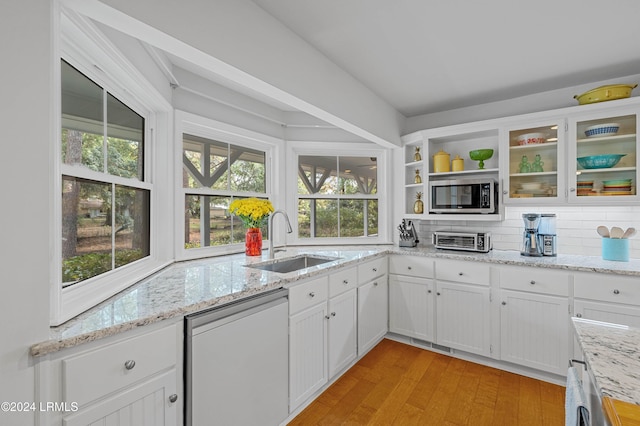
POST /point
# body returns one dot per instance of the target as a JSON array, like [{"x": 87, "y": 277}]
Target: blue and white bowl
[
  {"x": 600, "y": 161},
  {"x": 599, "y": 130}
]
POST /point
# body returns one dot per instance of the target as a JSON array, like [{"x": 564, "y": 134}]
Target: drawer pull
[
  {"x": 460, "y": 273},
  {"x": 579, "y": 315},
  {"x": 327, "y": 316},
  {"x": 375, "y": 283},
  {"x": 429, "y": 291},
  {"x": 409, "y": 267},
  {"x": 333, "y": 314},
  {"x": 345, "y": 282},
  {"x": 504, "y": 303},
  {"x": 616, "y": 291},
  {"x": 129, "y": 364},
  {"x": 173, "y": 398},
  {"x": 312, "y": 294},
  {"x": 532, "y": 282},
  {"x": 375, "y": 269},
  {"x": 438, "y": 293}
]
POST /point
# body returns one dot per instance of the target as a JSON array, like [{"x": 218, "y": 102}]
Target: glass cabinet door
[
  {"x": 535, "y": 153},
  {"x": 604, "y": 159}
]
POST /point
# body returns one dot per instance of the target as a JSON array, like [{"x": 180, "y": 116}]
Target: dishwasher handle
[{"x": 215, "y": 317}]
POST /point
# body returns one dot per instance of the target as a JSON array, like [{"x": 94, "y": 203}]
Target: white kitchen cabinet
[
  {"x": 455, "y": 141},
  {"x": 412, "y": 297},
  {"x": 614, "y": 299},
  {"x": 342, "y": 331},
  {"x": 373, "y": 303},
  {"x": 534, "y": 318},
  {"x": 463, "y": 317},
  {"x": 463, "y": 310},
  {"x": 308, "y": 339},
  {"x": 411, "y": 307},
  {"x": 145, "y": 404},
  {"x": 133, "y": 378},
  {"x": 604, "y": 184},
  {"x": 534, "y": 167}
]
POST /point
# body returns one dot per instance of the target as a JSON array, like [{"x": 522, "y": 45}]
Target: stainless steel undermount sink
[{"x": 290, "y": 264}]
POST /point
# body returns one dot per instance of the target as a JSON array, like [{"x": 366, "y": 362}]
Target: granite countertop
[
  {"x": 612, "y": 352},
  {"x": 191, "y": 286}
]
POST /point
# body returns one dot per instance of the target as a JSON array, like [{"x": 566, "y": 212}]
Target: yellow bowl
[{"x": 605, "y": 93}]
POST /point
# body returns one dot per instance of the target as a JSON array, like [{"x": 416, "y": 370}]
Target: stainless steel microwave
[{"x": 477, "y": 196}]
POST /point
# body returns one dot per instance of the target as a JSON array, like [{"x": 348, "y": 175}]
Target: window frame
[
  {"x": 82, "y": 45},
  {"x": 188, "y": 123},
  {"x": 297, "y": 149}
]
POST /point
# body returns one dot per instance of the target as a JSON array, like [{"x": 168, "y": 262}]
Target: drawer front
[
  {"x": 535, "y": 280},
  {"x": 342, "y": 280},
  {"x": 373, "y": 269},
  {"x": 310, "y": 293},
  {"x": 413, "y": 266},
  {"x": 607, "y": 288},
  {"x": 463, "y": 272},
  {"x": 91, "y": 375}
]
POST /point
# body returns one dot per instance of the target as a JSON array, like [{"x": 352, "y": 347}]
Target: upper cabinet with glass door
[
  {"x": 535, "y": 151},
  {"x": 603, "y": 160}
]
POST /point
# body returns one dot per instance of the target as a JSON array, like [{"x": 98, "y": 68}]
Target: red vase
[{"x": 253, "y": 242}]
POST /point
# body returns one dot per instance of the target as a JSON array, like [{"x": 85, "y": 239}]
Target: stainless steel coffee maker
[{"x": 530, "y": 242}]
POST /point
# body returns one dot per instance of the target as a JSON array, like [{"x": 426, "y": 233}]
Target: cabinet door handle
[
  {"x": 409, "y": 267},
  {"x": 460, "y": 273},
  {"x": 616, "y": 291},
  {"x": 173, "y": 398},
  {"x": 312, "y": 294},
  {"x": 505, "y": 192},
  {"x": 429, "y": 291},
  {"x": 438, "y": 293},
  {"x": 375, "y": 269},
  {"x": 532, "y": 282},
  {"x": 375, "y": 283},
  {"x": 572, "y": 190},
  {"x": 579, "y": 315},
  {"x": 345, "y": 282},
  {"x": 333, "y": 314},
  {"x": 129, "y": 364},
  {"x": 504, "y": 303}
]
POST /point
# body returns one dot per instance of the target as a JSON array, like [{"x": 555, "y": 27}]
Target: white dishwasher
[{"x": 236, "y": 363}]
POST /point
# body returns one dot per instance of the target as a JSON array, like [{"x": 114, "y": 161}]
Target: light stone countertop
[
  {"x": 191, "y": 286},
  {"x": 612, "y": 352}
]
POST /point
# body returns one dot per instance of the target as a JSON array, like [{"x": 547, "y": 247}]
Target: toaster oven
[{"x": 466, "y": 241}]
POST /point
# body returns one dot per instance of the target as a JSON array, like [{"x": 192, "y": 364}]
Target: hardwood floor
[{"x": 398, "y": 384}]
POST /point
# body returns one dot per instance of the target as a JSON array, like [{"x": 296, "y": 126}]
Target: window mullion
[
  {"x": 105, "y": 151},
  {"x": 113, "y": 226}
]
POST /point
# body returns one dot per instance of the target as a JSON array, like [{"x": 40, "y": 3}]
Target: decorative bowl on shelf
[
  {"x": 480, "y": 155},
  {"x": 531, "y": 138},
  {"x": 605, "y": 93},
  {"x": 600, "y": 161},
  {"x": 599, "y": 130}
]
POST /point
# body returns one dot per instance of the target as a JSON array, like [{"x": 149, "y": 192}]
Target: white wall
[
  {"x": 522, "y": 105},
  {"x": 575, "y": 227},
  {"x": 25, "y": 30}
]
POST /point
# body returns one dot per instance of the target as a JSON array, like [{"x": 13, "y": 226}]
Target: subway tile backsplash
[{"x": 575, "y": 227}]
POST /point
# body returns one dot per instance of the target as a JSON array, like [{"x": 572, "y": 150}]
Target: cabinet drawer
[
  {"x": 414, "y": 266},
  {"x": 463, "y": 272},
  {"x": 305, "y": 295},
  {"x": 535, "y": 280},
  {"x": 91, "y": 375},
  {"x": 342, "y": 280},
  {"x": 373, "y": 269},
  {"x": 607, "y": 288}
]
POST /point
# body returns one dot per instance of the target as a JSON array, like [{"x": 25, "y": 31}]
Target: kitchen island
[{"x": 612, "y": 355}]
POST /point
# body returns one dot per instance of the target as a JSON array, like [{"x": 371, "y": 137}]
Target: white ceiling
[{"x": 424, "y": 56}]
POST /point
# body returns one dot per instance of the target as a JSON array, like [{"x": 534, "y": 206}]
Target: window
[
  {"x": 214, "y": 173},
  {"x": 105, "y": 201},
  {"x": 337, "y": 196}
]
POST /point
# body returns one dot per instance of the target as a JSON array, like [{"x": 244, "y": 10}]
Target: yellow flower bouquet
[{"x": 252, "y": 211}]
